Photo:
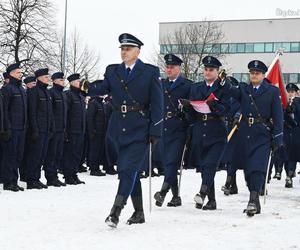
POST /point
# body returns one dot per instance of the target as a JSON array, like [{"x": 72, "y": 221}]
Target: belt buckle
[
  {"x": 123, "y": 108},
  {"x": 204, "y": 117},
  {"x": 169, "y": 115},
  {"x": 251, "y": 120}
]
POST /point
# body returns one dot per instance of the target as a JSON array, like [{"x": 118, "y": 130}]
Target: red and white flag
[
  {"x": 201, "y": 106},
  {"x": 274, "y": 75}
]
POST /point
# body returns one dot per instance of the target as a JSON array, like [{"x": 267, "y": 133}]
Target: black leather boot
[
  {"x": 200, "y": 197},
  {"x": 176, "y": 200},
  {"x": 161, "y": 195},
  {"x": 226, "y": 187},
  {"x": 138, "y": 216},
  {"x": 113, "y": 219},
  {"x": 211, "y": 204},
  {"x": 253, "y": 206}
]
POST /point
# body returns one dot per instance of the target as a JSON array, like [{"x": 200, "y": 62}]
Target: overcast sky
[{"x": 101, "y": 21}]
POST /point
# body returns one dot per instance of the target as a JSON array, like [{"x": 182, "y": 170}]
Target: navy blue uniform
[
  {"x": 1, "y": 131},
  {"x": 209, "y": 132},
  {"x": 128, "y": 131},
  {"x": 15, "y": 122},
  {"x": 96, "y": 132},
  {"x": 75, "y": 132},
  {"x": 255, "y": 134},
  {"x": 55, "y": 149},
  {"x": 173, "y": 140},
  {"x": 40, "y": 128}
]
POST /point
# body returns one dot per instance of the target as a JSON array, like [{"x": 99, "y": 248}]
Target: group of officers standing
[{"x": 135, "y": 111}]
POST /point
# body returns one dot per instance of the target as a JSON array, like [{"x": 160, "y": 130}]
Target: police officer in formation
[
  {"x": 260, "y": 130},
  {"x": 171, "y": 145},
  {"x": 135, "y": 123}
]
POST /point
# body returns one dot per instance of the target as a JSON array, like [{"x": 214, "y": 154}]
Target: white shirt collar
[
  {"x": 131, "y": 66},
  {"x": 174, "y": 79}
]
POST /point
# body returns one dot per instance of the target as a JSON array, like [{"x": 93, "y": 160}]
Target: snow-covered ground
[{"x": 73, "y": 217}]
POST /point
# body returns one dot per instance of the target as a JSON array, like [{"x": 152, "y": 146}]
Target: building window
[
  {"x": 286, "y": 47},
  {"x": 216, "y": 48},
  {"x": 240, "y": 48},
  {"x": 237, "y": 76},
  {"x": 295, "y": 47},
  {"x": 259, "y": 47},
  {"x": 249, "y": 48},
  {"x": 277, "y": 46},
  {"x": 232, "y": 48},
  {"x": 269, "y": 47},
  {"x": 293, "y": 78},
  {"x": 224, "y": 48},
  {"x": 245, "y": 77}
]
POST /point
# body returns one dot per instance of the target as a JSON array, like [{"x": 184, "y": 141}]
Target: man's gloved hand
[
  {"x": 236, "y": 121},
  {"x": 212, "y": 104},
  {"x": 153, "y": 140},
  {"x": 185, "y": 103},
  {"x": 6, "y": 135}
]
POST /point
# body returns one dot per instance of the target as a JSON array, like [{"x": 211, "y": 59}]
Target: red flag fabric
[
  {"x": 201, "y": 106},
  {"x": 274, "y": 75}
]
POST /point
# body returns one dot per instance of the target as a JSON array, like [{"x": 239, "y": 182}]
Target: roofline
[{"x": 235, "y": 20}]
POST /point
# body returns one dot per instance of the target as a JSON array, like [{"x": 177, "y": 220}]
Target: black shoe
[
  {"x": 233, "y": 190},
  {"x": 82, "y": 169},
  {"x": 200, "y": 197},
  {"x": 253, "y": 206},
  {"x": 111, "y": 172},
  {"x": 113, "y": 219},
  {"x": 288, "y": 182},
  {"x": 175, "y": 202},
  {"x": 144, "y": 175},
  {"x": 54, "y": 183},
  {"x": 20, "y": 188},
  {"x": 210, "y": 205},
  {"x": 97, "y": 173},
  {"x": 226, "y": 187},
  {"x": 138, "y": 217},
  {"x": 277, "y": 176},
  {"x": 42, "y": 184},
  {"x": 11, "y": 187},
  {"x": 70, "y": 181},
  {"x": 33, "y": 185},
  {"x": 154, "y": 174},
  {"x": 161, "y": 195},
  {"x": 78, "y": 181}
]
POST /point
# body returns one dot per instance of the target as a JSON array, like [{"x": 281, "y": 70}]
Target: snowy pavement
[{"x": 73, "y": 217}]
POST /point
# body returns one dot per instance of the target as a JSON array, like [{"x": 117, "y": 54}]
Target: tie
[
  {"x": 207, "y": 88},
  {"x": 254, "y": 90},
  {"x": 170, "y": 84},
  {"x": 128, "y": 70}
]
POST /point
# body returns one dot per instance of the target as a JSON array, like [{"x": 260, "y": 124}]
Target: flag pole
[
  {"x": 279, "y": 53},
  {"x": 65, "y": 39}
]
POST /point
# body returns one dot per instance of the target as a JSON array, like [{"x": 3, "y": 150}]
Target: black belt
[
  {"x": 127, "y": 108},
  {"x": 253, "y": 120},
  {"x": 170, "y": 115},
  {"x": 207, "y": 117}
]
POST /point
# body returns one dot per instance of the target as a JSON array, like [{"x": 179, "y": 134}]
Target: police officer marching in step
[
  {"x": 209, "y": 130},
  {"x": 292, "y": 133},
  {"x": 56, "y": 142},
  {"x": 75, "y": 131},
  {"x": 261, "y": 127},
  {"x": 40, "y": 128},
  {"x": 15, "y": 121},
  {"x": 136, "y": 121},
  {"x": 175, "y": 128},
  {"x": 96, "y": 133}
]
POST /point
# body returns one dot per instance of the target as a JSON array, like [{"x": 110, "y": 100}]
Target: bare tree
[
  {"x": 192, "y": 42},
  {"x": 79, "y": 57},
  {"x": 26, "y": 29}
]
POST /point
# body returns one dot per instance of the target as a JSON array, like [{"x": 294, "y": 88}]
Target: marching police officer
[
  {"x": 292, "y": 134},
  {"x": 175, "y": 127},
  {"x": 96, "y": 133},
  {"x": 6, "y": 78},
  {"x": 40, "y": 128},
  {"x": 56, "y": 143},
  {"x": 15, "y": 110},
  {"x": 261, "y": 126},
  {"x": 136, "y": 121},
  {"x": 209, "y": 130},
  {"x": 75, "y": 131}
]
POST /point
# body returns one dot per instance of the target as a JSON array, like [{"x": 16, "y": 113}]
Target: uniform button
[
  {"x": 167, "y": 107},
  {"x": 204, "y": 135},
  {"x": 123, "y": 129},
  {"x": 165, "y": 129},
  {"x": 252, "y": 103},
  {"x": 250, "y": 114},
  {"x": 248, "y": 136},
  {"x": 124, "y": 116},
  {"x": 124, "y": 102},
  {"x": 204, "y": 124}
]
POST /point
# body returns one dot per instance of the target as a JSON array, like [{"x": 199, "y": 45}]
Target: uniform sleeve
[
  {"x": 32, "y": 108},
  {"x": 91, "y": 112},
  {"x": 277, "y": 117},
  {"x": 156, "y": 105},
  {"x": 1, "y": 113},
  {"x": 103, "y": 88},
  {"x": 68, "y": 96},
  {"x": 6, "y": 93}
]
